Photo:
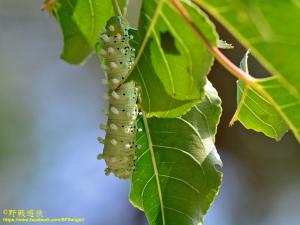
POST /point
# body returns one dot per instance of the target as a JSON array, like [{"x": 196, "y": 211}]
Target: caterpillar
[{"x": 117, "y": 58}]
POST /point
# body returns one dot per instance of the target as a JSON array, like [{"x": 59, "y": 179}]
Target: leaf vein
[
  {"x": 181, "y": 150},
  {"x": 261, "y": 120},
  {"x": 175, "y": 210},
  {"x": 181, "y": 180}
]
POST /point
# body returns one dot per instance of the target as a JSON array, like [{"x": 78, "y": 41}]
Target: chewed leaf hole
[{"x": 167, "y": 42}]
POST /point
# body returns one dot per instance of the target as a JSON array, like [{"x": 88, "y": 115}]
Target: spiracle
[{"x": 117, "y": 58}]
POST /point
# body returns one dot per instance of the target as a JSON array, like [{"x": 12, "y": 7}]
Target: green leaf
[
  {"x": 175, "y": 180},
  {"x": 284, "y": 100},
  {"x": 255, "y": 112},
  {"x": 168, "y": 64},
  {"x": 81, "y": 22},
  {"x": 165, "y": 106},
  {"x": 274, "y": 40}
]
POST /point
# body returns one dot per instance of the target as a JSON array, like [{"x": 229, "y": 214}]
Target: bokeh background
[{"x": 49, "y": 116}]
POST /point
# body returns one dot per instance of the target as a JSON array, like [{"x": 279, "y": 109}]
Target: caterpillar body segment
[{"x": 116, "y": 51}]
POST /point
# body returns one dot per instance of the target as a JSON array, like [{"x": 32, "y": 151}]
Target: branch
[
  {"x": 223, "y": 60},
  {"x": 116, "y": 7},
  {"x": 125, "y": 8}
]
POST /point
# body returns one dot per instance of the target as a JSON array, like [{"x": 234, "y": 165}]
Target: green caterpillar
[{"x": 117, "y": 58}]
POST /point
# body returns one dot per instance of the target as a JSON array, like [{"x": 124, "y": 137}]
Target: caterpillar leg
[
  {"x": 139, "y": 96},
  {"x": 100, "y": 156},
  {"x": 139, "y": 100},
  {"x": 107, "y": 171}
]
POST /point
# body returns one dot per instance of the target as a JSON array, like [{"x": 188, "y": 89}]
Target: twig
[
  {"x": 125, "y": 8},
  {"x": 116, "y": 7}
]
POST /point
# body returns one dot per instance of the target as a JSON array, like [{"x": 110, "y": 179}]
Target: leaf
[
  {"x": 274, "y": 40},
  {"x": 175, "y": 180},
  {"x": 284, "y": 100},
  {"x": 165, "y": 106},
  {"x": 255, "y": 112},
  {"x": 81, "y": 22},
  {"x": 168, "y": 62}
]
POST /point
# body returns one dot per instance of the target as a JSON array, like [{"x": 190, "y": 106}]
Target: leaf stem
[
  {"x": 116, "y": 7},
  {"x": 155, "y": 169},
  {"x": 125, "y": 8},
  {"x": 223, "y": 60}
]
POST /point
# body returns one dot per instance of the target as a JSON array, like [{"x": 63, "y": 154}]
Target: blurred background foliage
[{"x": 49, "y": 116}]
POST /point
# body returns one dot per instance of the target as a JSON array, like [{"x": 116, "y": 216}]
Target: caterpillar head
[{"x": 117, "y": 25}]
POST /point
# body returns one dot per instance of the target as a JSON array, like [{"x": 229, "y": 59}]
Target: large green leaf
[
  {"x": 274, "y": 40},
  {"x": 168, "y": 64},
  {"x": 175, "y": 180},
  {"x": 81, "y": 22},
  {"x": 255, "y": 112}
]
